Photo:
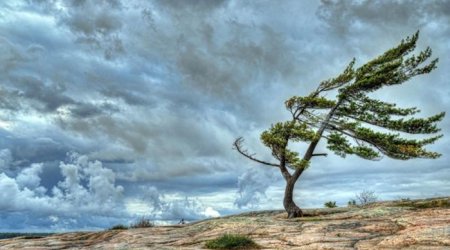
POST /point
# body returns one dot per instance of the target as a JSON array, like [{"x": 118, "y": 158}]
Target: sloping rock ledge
[{"x": 418, "y": 224}]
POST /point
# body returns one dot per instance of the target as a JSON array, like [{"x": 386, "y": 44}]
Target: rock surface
[{"x": 420, "y": 224}]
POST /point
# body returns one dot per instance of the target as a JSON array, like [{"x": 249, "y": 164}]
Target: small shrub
[
  {"x": 351, "y": 203},
  {"x": 330, "y": 204},
  {"x": 231, "y": 241},
  {"x": 366, "y": 197},
  {"x": 119, "y": 227},
  {"x": 142, "y": 223}
]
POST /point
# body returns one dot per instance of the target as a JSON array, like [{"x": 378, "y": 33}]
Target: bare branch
[
  {"x": 237, "y": 145},
  {"x": 320, "y": 154}
]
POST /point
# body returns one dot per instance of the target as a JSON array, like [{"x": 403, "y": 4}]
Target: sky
[{"x": 111, "y": 110}]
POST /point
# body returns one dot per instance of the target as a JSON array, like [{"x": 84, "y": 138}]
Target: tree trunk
[{"x": 289, "y": 205}]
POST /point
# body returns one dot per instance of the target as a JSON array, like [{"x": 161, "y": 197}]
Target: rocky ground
[{"x": 420, "y": 224}]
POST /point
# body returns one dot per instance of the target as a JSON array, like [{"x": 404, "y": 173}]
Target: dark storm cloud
[
  {"x": 130, "y": 97},
  {"x": 222, "y": 68},
  {"x": 49, "y": 145},
  {"x": 346, "y": 16},
  {"x": 25, "y": 88},
  {"x": 31, "y": 93},
  {"x": 96, "y": 24},
  {"x": 49, "y": 98},
  {"x": 8, "y": 100},
  {"x": 191, "y": 4}
]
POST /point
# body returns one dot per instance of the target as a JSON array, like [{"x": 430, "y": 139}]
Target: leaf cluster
[{"x": 278, "y": 137}]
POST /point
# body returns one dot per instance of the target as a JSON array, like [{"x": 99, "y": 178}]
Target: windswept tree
[{"x": 353, "y": 123}]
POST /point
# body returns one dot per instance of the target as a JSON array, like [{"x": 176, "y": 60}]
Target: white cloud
[
  {"x": 87, "y": 189},
  {"x": 188, "y": 209},
  {"x": 29, "y": 177},
  {"x": 211, "y": 212},
  {"x": 169, "y": 208}
]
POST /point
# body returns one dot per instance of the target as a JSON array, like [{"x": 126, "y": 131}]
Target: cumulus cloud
[
  {"x": 87, "y": 197},
  {"x": 188, "y": 209},
  {"x": 170, "y": 207},
  {"x": 87, "y": 189},
  {"x": 29, "y": 177}
]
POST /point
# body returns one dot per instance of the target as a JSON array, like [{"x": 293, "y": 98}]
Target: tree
[
  {"x": 366, "y": 197},
  {"x": 353, "y": 123}
]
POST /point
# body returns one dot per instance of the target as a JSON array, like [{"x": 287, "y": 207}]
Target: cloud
[
  {"x": 252, "y": 187},
  {"x": 87, "y": 197},
  {"x": 188, "y": 209},
  {"x": 351, "y": 16},
  {"x": 96, "y": 24},
  {"x": 25, "y": 90},
  {"x": 87, "y": 189},
  {"x": 213, "y": 73},
  {"x": 5, "y": 159},
  {"x": 168, "y": 207},
  {"x": 153, "y": 197},
  {"x": 29, "y": 178}
]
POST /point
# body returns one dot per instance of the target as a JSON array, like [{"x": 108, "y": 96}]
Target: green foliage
[
  {"x": 340, "y": 145},
  {"x": 277, "y": 137},
  {"x": 394, "y": 146},
  {"x": 279, "y": 134},
  {"x": 356, "y": 109},
  {"x": 330, "y": 204},
  {"x": 337, "y": 82},
  {"x": 351, "y": 203},
  {"x": 309, "y": 102},
  {"x": 231, "y": 241},
  {"x": 142, "y": 223},
  {"x": 343, "y": 122},
  {"x": 118, "y": 227},
  {"x": 390, "y": 68}
]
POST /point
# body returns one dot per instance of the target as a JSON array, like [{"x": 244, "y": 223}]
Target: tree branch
[
  {"x": 310, "y": 151},
  {"x": 282, "y": 166},
  {"x": 237, "y": 145},
  {"x": 333, "y": 127},
  {"x": 320, "y": 154}
]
